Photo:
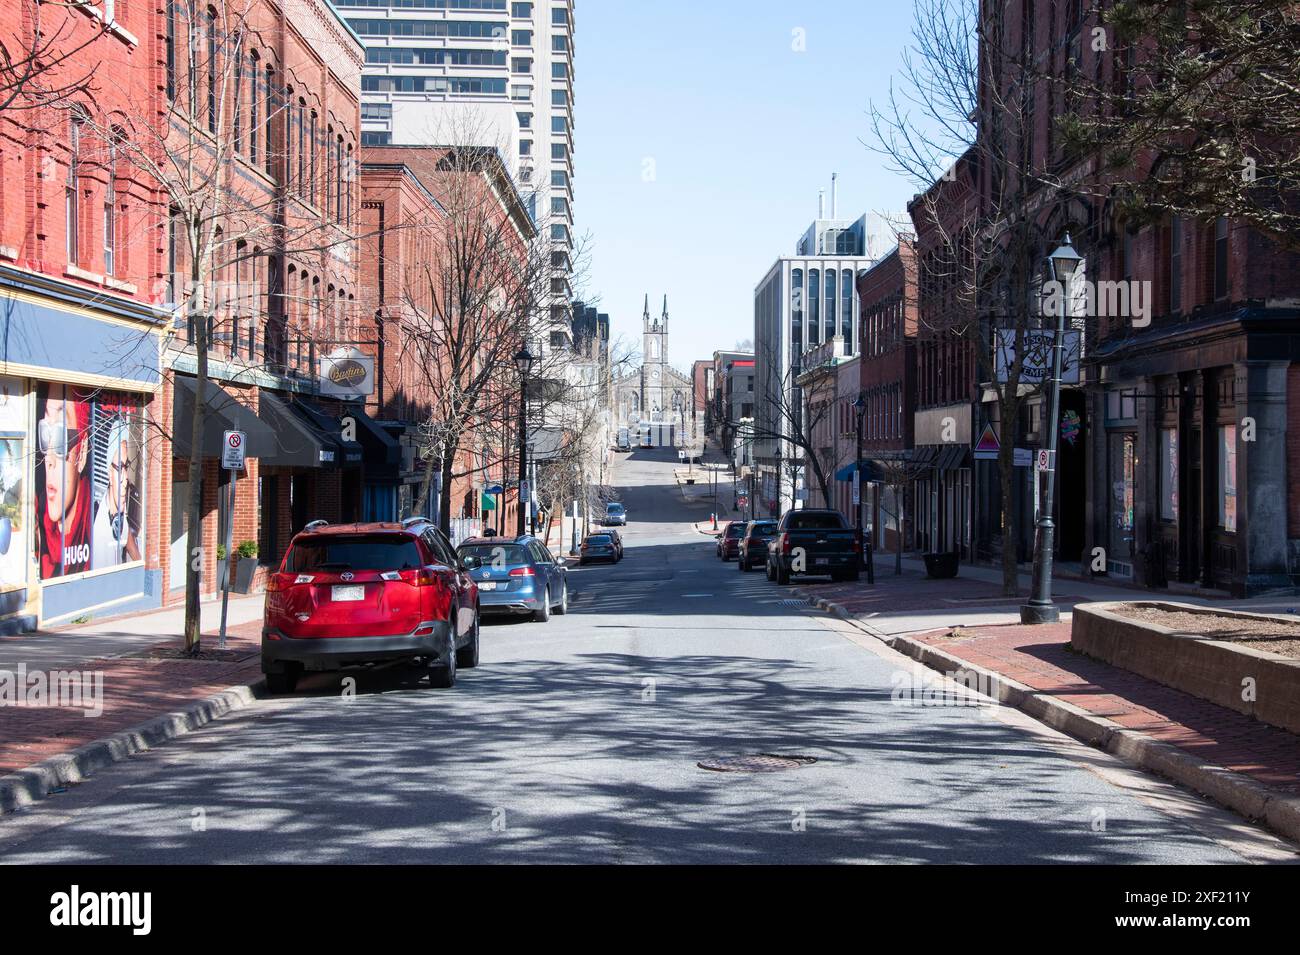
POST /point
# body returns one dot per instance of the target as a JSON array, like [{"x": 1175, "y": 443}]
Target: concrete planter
[{"x": 1214, "y": 670}]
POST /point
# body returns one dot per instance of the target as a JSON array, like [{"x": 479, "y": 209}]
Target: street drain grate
[
  {"x": 757, "y": 763},
  {"x": 792, "y": 602}
]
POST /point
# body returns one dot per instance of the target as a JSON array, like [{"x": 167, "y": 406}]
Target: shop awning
[
  {"x": 870, "y": 471},
  {"x": 953, "y": 457},
  {"x": 347, "y": 453},
  {"x": 221, "y": 413},
  {"x": 300, "y": 442},
  {"x": 380, "y": 451}
]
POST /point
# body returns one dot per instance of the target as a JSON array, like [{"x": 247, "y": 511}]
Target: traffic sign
[
  {"x": 987, "y": 446},
  {"x": 234, "y": 447},
  {"x": 1045, "y": 462}
]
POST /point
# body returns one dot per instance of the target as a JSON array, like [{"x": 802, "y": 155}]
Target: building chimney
[
  {"x": 821, "y": 203},
  {"x": 833, "y": 177}
]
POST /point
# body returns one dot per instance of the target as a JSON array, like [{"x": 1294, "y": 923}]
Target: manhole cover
[{"x": 758, "y": 763}]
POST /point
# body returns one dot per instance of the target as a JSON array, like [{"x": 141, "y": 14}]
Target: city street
[{"x": 577, "y": 740}]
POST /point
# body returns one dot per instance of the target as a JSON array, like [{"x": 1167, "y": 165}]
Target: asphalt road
[{"x": 577, "y": 741}]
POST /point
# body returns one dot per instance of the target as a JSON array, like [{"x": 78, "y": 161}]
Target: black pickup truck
[{"x": 814, "y": 542}]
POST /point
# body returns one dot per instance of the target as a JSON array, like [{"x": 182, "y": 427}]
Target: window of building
[
  {"x": 1228, "y": 477},
  {"x": 559, "y": 44},
  {"x": 525, "y": 120},
  {"x": 377, "y": 111},
  {"x": 171, "y": 50},
  {"x": 559, "y": 16},
  {"x": 559, "y": 206},
  {"x": 559, "y": 98},
  {"x": 253, "y": 120},
  {"x": 213, "y": 89},
  {"x": 376, "y": 139},
  {"x": 1221, "y": 258},
  {"x": 521, "y": 64},
  {"x": 1176, "y": 264},
  {"x": 559, "y": 124},
  {"x": 1169, "y": 474},
  {"x": 521, "y": 11},
  {"x": 559, "y": 177},
  {"x": 559, "y": 151},
  {"x": 525, "y": 147},
  {"x": 110, "y": 200},
  {"x": 521, "y": 37},
  {"x": 270, "y": 95},
  {"x": 559, "y": 71},
  {"x": 72, "y": 189}
]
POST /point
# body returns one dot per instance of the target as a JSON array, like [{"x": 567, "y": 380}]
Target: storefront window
[
  {"x": 1123, "y": 470},
  {"x": 1169, "y": 474},
  {"x": 1228, "y": 477},
  {"x": 13, "y": 465}
]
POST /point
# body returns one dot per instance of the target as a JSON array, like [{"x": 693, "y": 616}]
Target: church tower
[{"x": 654, "y": 358}]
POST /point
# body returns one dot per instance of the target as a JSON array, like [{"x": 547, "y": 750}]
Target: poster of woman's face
[
  {"x": 116, "y": 469},
  {"x": 63, "y": 491},
  {"x": 88, "y": 480}
]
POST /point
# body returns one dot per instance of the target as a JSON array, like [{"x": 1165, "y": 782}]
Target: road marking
[{"x": 697, "y": 595}]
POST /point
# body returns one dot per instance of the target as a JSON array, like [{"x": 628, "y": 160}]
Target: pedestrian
[{"x": 489, "y": 531}]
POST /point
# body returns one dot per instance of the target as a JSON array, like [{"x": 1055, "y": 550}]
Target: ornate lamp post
[
  {"x": 859, "y": 410},
  {"x": 524, "y": 362},
  {"x": 1064, "y": 262}
]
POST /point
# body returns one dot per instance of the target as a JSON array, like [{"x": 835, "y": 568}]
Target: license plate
[
  {"x": 342, "y": 592},
  {"x": 487, "y": 585}
]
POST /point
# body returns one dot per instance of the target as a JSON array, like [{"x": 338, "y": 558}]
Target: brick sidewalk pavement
[
  {"x": 135, "y": 689},
  {"x": 1040, "y": 657}
]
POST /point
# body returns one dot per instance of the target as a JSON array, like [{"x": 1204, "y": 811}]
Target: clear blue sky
[{"x": 742, "y": 129}]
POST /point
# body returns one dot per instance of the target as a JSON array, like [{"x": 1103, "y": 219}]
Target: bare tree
[
  {"x": 40, "y": 41},
  {"x": 230, "y": 237},
  {"x": 961, "y": 125}
]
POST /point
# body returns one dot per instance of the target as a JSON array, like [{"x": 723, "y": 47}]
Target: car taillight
[
  {"x": 857, "y": 546},
  {"x": 522, "y": 571},
  {"x": 278, "y": 582},
  {"x": 785, "y": 543},
  {"x": 420, "y": 577}
]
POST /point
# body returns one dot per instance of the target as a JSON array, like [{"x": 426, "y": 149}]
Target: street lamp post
[
  {"x": 860, "y": 408},
  {"x": 523, "y": 362},
  {"x": 1064, "y": 262},
  {"x": 778, "y": 480}
]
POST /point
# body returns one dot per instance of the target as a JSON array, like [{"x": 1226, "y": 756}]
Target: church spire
[
  {"x": 645, "y": 312},
  {"x": 665, "y": 316}
]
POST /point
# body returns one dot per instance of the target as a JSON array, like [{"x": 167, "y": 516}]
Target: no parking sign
[{"x": 233, "y": 448}]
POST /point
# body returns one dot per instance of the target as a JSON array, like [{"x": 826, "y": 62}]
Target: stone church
[{"x": 654, "y": 401}]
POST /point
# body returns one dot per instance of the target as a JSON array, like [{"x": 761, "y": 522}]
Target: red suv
[{"x": 352, "y": 594}]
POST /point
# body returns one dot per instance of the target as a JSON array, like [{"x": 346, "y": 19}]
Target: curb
[
  {"x": 33, "y": 783},
  {"x": 1259, "y": 803}
]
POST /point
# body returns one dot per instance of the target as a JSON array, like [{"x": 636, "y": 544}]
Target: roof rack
[
  {"x": 312, "y": 525},
  {"x": 408, "y": 521}
]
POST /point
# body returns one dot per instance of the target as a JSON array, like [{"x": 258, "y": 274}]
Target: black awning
[
  {"x": 346, "y": 453},
  {"x": 380, "y": 450},
  {"x": 953, "y": 457},
  {"x": 221, "y": 413},
  {"x": 300, "y": 442}
]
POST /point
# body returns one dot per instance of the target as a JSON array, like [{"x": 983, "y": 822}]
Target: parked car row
[
  {"x": 807, "y": 542},
  {"x": 359, "y": 594}
]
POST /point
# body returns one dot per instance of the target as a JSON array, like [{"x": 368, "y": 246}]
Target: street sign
[
  {"x": 523, "y": 491},
  {"x": 233, "y": 449},
  {"x": 987, "y": 447},
  {"x": 1045, "y": 462},
  {"x": 857, "y": 485},
  {"x": 1023, "y": 458}
]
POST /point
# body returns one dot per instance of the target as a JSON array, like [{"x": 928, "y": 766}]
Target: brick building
[
  {"x": 888, "y": 298},
  {"x": 403, "y": 200},
  {"x": 80, "y": 255}
]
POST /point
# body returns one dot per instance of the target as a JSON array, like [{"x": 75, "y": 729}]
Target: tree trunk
[
  {"x": 194, "y": 556},
  {"x": 444, "y": 497},
  {"x": 426, "y": 479},
  {"x": 1006, "y": 473}
]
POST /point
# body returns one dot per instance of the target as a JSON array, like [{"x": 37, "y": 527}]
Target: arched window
[
  {"x": 271, "y": 100},
  {"x": 313, "y": 146},
  {"x": 72, "y": 189},
  {"x": 110, "y": 203},
  {"x": 254, "y": 121},
  {"x": 212, "y": 69}
]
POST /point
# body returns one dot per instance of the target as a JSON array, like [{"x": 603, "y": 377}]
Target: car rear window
[
  {"x": 496, "y": 553},
  {"x": 600, "y": 539},
  {"x": 613, "y": 507},
  {"x": 815, "y": 522},
  {"x": 359, "y": 552},
  {"x": 736, "y": 530},
  {"x": 761, "y": 528}
]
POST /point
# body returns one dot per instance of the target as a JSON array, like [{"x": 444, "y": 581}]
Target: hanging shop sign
[{"x": 347, "y": 373}]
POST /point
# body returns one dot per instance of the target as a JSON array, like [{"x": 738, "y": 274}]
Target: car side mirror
[{"x": 470, "y": 562}]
